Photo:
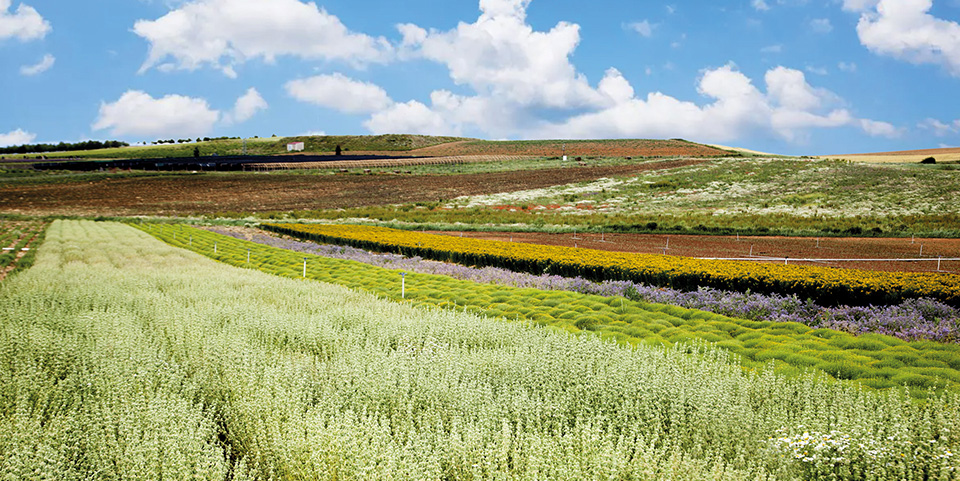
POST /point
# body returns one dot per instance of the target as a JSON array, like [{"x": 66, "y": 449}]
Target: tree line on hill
[{"x": 61, "y": 147}]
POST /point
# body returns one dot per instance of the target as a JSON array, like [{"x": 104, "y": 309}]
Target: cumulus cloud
[
  {"x": 339, "y": 92},
  {"x": 136, "y": 113},
  {"x": 410, "y": 118},
  {"x": 246, "y": 107},
  {"x": 524, "y": 85},
  {"x": 24, "y": 23},
  {"x": 789, "y": 109},
  {"x": 905, "y": 30},
  {"x": 16, "y": 137},
  {"x": 45, "y": 64},
  {"x": 226, "y": 33},
  {"x": 501, "y": 55},
  {"x": 760, "y": 5}
]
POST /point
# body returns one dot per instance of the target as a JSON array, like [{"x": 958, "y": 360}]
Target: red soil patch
[{"x": 779, "y": 247}]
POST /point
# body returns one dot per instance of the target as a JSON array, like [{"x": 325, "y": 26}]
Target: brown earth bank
[
  {"x": 184, "y": 194},
  {"x": 777, "y": 247}
]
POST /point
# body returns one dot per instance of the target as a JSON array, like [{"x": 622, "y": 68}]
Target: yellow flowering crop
[{"x": 826, "y": 285}]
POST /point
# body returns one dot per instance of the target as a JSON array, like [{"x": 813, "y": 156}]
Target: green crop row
[
  {"x": 16, "y": 236},
  {"x": 874, "y": 360}
]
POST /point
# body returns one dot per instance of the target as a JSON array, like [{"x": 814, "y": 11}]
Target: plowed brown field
[
  {"x": 778, "y": 247},
  {"x": 251, "y": 192}
]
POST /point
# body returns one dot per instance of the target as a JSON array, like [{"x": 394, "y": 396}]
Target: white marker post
[
  {"x": 403, "y": 286},
  {"x": 939, "y": 259},
  {"x": 214, "y": 247},
  {"x": 191, "y": 240},
  {"x": 921, "y": 250},
  {"x": 248, "y": 255},
  {"x": 304, "y": 267}
]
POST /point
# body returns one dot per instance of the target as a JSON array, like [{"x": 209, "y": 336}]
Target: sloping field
[
  {"x": 382, "y": 163},
  {"x": 124, "y": 358},
  {"x": 186, "y": 194},
  {"x": 575, "y": 148},
  {"x": 906, "y": 156}
]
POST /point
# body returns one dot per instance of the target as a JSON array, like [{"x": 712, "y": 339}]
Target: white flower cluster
[{"x": 815, "y": 447}]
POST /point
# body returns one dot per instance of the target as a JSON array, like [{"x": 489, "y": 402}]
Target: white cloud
[
  {"x": 246, "y": 107},
  {"x": 879, "y": 129},
  {"x": 904, "y": 29},
  {"x": 644, "y": 28},
  {"x": 848, "y": 67},
  {"x": 24, "y": 24},
  {"x": 821, "y": 25},
  {"x": 226, "y": 33},
  {"x": 410, "y": 118},
  {"x": 500, "y": 55},
  {"x": 45, "y": 64},
  {"x": 340, "y": 93},
  {"x": 789, "y": 109},
  {"x": 16, "y": 137},
  {"x": 138, "y": 114},
  {"x": 760, "y": 5},
  {"x": 778, "y": 48},
  {"x": 524, "y": 85},
  {"x": 940, "y": 129},
  {"x": 817, "y": 70}
]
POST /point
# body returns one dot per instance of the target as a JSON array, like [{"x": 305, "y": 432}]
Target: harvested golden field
[{"x": 906, "y": 156}]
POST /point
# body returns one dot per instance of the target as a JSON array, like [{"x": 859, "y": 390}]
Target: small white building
[{"x": 295, "y": 147}]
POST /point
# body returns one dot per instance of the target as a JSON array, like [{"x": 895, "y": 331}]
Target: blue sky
[{"x": 787, "y": 76}]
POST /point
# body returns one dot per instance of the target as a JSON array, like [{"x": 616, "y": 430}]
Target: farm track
[
  {"x": 779, "y": 247},
  {"x": 213, "y": 193}
]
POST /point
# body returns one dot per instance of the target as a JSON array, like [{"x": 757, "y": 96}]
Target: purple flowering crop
[{"x": 914, "y": 319}]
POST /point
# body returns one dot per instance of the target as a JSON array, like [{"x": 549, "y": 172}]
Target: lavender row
[{"x": 915, "y": 319}]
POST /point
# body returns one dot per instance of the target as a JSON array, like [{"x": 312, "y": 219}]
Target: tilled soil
[
  {"x": 249, "y": 192},
  {"x": 793, "y": 248}
]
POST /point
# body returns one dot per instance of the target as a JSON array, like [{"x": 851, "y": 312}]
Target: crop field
[
  {"x": 825, "y": 285},
  {"x": 18, "y": 240},
  {"x": 876, "y": 361},
  {"x": 950, "y": 155},
  {"x": 125, "y": 358},
  {"x": 866, "y": 253},
  {"x": 912, "y": 320},
  {"x": 577, "y": 148},
  {"x": 250, "y": 193},
  {"x": 382, "y": 163},
  {"x": 763, "y": 187}
]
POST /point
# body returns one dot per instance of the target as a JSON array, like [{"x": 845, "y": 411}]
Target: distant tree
[
  {"x": 338, "y": 151},
  {"x": 196, "y": 152},
  {"x": 929, "y": 160}
]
